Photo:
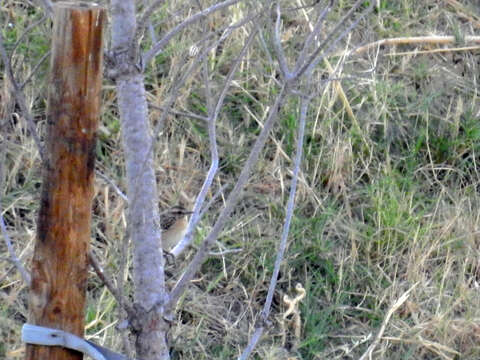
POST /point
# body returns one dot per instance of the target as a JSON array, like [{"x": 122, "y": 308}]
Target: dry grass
[{"x": 388, "y": 196}]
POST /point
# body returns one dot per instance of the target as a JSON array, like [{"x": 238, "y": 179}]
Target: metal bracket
[{"x": 40, "y": 335}]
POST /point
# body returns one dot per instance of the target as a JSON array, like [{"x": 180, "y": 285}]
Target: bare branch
[
  {"x": 20, "y": 97},
  {"x": 112, "y": 184},
  {"x": 156, "y": 48},
  {"x": 13, "y": 257},
  {"x": 25, "y": 32},
  {"x": 144, "y": 20},
  {"x": 35, "y": 69},
  {"x": 225, "y": 252},
  {"x": 252, "y": 343},
  {"x": 213, "y": 115},
  {"x": 213, "y": 199},
  {"x": 8, "y": 242},
  {"x": 47, "y": 6},
  {"x": 232, "y": 200},
  {"x": 147, "y": 12},
  {"x": 314, "y": 33},
  {"x": 179, "y": 113},
  {"x": 142, "y": 166},
  {"x": 186, "y": 74},
  {"x": 277, "y": 45},
  {"x": 179, "y": 83},
  {"x": 141, "y": 25},
  {"x": 290, "y": 206},
  {"x": 314, "y": 58},
  {"x": 108, "y": 283},
  {"x": 265, "y": 47},
  {"x": 302, "y": 67},
  {"x": 286, "y": 228},
  {"x": 340, "y": 37}
]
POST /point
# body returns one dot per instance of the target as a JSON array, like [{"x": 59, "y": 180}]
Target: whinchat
[{"x": 173, "y": 222}]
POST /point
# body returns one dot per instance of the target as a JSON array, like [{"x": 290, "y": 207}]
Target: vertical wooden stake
[{"x": 59, "y": 266}]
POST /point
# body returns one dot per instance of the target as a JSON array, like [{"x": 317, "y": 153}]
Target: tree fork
[{"x": 59, "y": 265}]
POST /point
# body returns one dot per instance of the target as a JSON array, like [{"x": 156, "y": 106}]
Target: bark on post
[{"x": 59, "y": 266}]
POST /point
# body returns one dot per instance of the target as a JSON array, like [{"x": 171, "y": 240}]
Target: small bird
[{"x": 174, "y": 224}]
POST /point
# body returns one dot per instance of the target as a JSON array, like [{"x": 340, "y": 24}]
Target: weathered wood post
[{"x": 59, "y": 266}]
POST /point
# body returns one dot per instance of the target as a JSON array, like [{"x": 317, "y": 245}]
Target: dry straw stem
[
  {"x": 337, "y": 85},
  {"x": 435, "y": 51},
  {"x": 413, "y": 40},
  {"x": 442, "y": 350},
  {"x": 464, "y": 13},
  {"x": 391, "y": 311}
]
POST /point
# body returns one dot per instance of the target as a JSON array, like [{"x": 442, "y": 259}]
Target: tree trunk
[
  {"x": 149, "y": 326},
  {"x": 59, "y": 266}
]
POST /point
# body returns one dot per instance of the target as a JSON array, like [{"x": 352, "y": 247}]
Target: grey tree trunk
[{"x": 149, "y": 325}]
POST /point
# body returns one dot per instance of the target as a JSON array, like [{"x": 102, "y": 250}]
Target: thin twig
[
  {"x": 302, "y": 67},
  {"x": 277, "y": 45},
  {"x": 193, "y": 66},
  {"x": 290, "y": 207},
  {"x": 212, "y": 200},
  {"x": 315, "y": 58},
  {"x": 286, "y": 229},
  {"x": 186, "y": 74},
  {"x": 213, "y": 115},
  {"x": 225, "y": 252},
  {"x": 13, "y": 257},
  {"x": 212, "y": 138},
  {"x": 144, "y": 20},
  {"x": 34, "y": 70},
  {"x": 314, "y": 31},
  {"x": 20, "y": 98},
  {"x": 25, "y": 32},
  {"x": 143, "y": 166},
  {"x": 232, "y": 200},
  {"x": 252, "y": 343},
  {"x": 157, "y": 48},
  {"x": 112, "y": 184},
  {"x": 179, "y": 113},
  {"x": 109, "y": 284},
  {"x": 47, "y": 6}
]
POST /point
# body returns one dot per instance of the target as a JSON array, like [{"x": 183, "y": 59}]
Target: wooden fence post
[{"x": 59, "y": 266}]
